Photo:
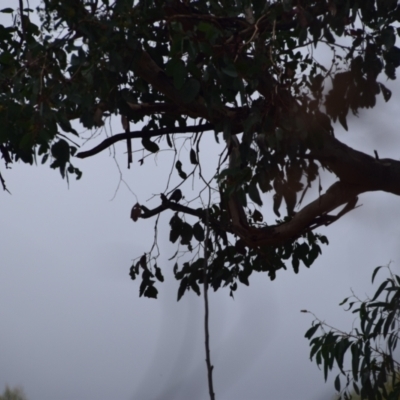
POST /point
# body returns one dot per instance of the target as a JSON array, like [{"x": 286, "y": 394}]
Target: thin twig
[
  {"x": 206, "y": 312},
  {"x": 3, "y": 183},
  {"x": 21, "y": 12}
]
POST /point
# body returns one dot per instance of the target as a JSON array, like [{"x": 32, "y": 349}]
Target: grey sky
[{"x": 72, "y": 324}]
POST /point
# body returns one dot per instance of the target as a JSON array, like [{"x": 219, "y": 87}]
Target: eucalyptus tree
[
  {"x": 369, "y": 367},
  {"x": 243, "y": 73},
  {"x": 264, "y": 80}
]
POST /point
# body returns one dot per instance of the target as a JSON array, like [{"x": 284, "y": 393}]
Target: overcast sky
[{"x": 72, "y": 325}]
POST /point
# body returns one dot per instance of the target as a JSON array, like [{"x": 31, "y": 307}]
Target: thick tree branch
[
  {"x": 357, "y": 168},
  {"x": 309, "y": 217},
  {"x": 358, "y": 173}
]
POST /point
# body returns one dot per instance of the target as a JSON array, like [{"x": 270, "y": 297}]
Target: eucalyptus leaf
[
  {"x": 150, "y": 146},
  {"x": 189, "y": 90}
]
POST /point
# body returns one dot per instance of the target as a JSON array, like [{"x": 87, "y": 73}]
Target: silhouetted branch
[
  {"x": 3, "y": 183},
  {"x": 142, "y": 134},
  {"x": 170, "y": 205},
  {"x": 210, "y": 367}
]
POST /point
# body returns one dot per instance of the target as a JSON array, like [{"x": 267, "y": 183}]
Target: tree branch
[
  {"x": 148, "y": 70},
  {"x": 3, "y": 183},
  {"x": 309, "y": 217},
  {"x": 142, "y": 134},
  {"x": 358, "y": 173},
  {"x": 170, "y": 205},
  {"x": 357, "y": 168},
  {"x": 210, "y": 367}
]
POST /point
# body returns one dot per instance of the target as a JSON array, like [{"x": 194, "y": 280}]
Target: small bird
[{"x": 176, "y": 195}]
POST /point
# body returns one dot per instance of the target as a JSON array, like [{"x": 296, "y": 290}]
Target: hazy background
[{"x": 72, "y": 325}]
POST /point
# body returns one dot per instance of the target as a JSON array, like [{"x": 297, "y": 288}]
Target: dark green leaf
[
  {"x": 343, "y": 121},
  {"x": 380, "y": 290},
  {"x": 198, "y": 232},
  {"x": 316, "y": 345},
  {"x": 143, "y": 261},
  {"x": 243, "y": 278},
  {"x": 190, "y": 90},
  {"x": 176, "y": 227},
  {"x": 169, "y": 141},
  {"x": 193, "y": 157},
  {"x": 150, "y": 146},
  {"x": 230, "y": 70},
  {"x": 388, "y": 322},
  {"x": 393, "y": 56},
  {"x": 158, "y": 273},
  {"x": 176, "y": 69},
  {"x": 253, "y": 193},
  {"x": 195, "y": 287},
  {"x": 328, "y": 35},
  {"x": 303, "y": 36},
  {"x": 65, "y": 124},
  {"x": 388, "y": 37},
  {"x": 174, "y": 235},
  {"x": 310, "y": 333},
  {"x": 186, "y": 233},
  {"x": 178, "y": 166},
  {"x": 355, "y": 360},
  {"x": 337, "y": 383},
  {"x": 60, "y": 151},
  {"x": 182, "y": 287},
  {"x": 151, "y": 292},
  {"x": 387, "y": 94},
  {"x": 143, "y": 286},
  {"x": 344, "y": 301},
  {"x": 295, "y": 264},
  {"x": 340, "y": 351},
  {"x": 257, "y": 216},
  {"x": 132, "y": 272}
]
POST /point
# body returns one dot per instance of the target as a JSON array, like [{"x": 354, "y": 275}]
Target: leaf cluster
[
  {"x": 249, "y": 69},
  {"x": 147, "y": 288},
  {"x": 370, "y": 346}
]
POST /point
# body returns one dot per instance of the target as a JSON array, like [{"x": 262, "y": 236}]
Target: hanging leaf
[
  {"x": 169, "y": 141},
  {"x": 60, "y": 151},
  {"x": 198, "y": 232},
  {"x": 149, "y": 145},
  {"x": 158, "y": 273},
  {"x": 151, "y": 292},
  {"x": 186, "y": 233},
  {"x": 178, "y": 166},
  {"x": 387, "y": 94},
  {"x": 254, "y": 193},
  {"x": 190, "y": 90},
  {"x": 182, "y": 287},
  {"x": 193, "y": 157}
]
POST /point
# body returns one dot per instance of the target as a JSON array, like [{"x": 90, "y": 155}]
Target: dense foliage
[
  {"x": 265, "y": 78},
  {"x": 373, "y": 371}
]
